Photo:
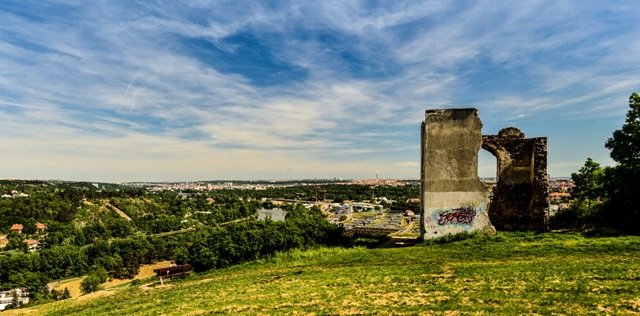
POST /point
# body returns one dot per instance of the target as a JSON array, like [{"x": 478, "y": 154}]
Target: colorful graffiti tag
[{"x": 462, "y": 215}]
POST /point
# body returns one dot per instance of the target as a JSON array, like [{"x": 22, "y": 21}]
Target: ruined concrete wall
[
  {"x": 521, "y": 197},
  {"x": 454, "y": 199}
]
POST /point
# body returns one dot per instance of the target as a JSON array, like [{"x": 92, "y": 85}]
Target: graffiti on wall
[{"x": 457, "y": 216}]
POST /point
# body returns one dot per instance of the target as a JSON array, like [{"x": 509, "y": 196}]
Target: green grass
[{"x": 509, "y": 274}]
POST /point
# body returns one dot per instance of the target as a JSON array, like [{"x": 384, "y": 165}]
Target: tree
[
  {"x": 15, "y": 302},
  {"x": 55, "y": 294},
  {"x": 90, "y": 284},
  {"x": 66, "y": 294},
  {"x": 625, "y": 142},
  {"x": 16, "y": 241},
  {"x": 588, "y": 182},
  {"x": 622, "y": 182}
]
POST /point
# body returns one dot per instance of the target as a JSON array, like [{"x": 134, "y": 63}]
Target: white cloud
[{"x": 111, "y": 89}]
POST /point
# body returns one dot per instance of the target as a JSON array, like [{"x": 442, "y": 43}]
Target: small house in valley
[
  {"x": 40, "y": 227},
  {"x": 32, "y": 244},
  {"x": 17, "y": 228}
]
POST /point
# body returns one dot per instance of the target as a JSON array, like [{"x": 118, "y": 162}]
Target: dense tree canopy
[
  {"x": 106, "y": 230},
  {"x": 588, "y": 182},
  {"x": 617, "y": 187},
  {"x": 625, "y": 142},
  {"x": 85, "y": 235}
]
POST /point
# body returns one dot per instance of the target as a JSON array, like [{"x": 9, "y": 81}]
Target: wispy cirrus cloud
[{"x": 194, "y": 90}]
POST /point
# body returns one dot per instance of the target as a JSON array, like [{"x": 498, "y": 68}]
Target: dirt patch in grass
[
  {"x": 145, "y": 272},
  {"x": 154, "y": 285},
  {"x": 74, "y": 284},
  {"x": 405, "y": 298},
  {"x": 94, "y": 295}
]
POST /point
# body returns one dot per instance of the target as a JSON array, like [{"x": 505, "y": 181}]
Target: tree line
[{"x": 206, "y": 248}]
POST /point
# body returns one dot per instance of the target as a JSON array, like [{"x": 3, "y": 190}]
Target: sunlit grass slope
[{"x": 509, "y": 274}]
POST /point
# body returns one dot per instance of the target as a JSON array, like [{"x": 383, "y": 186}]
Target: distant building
[
  {"x": 6, "y": 297},
  {"x": 17, "y": 228},
  {"x": 32, "y": 244},
  {"x": 559, "y": 196},
  {"x": 184, "y": 195},
  {"x": 345, "y": 210},
  {"x": 40, "y": 227}
]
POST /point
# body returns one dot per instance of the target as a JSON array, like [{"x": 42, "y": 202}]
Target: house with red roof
[
  {"x": 40, "y": 227},
  {"x": 32, "y": 244},
  {"x": 17, "y": 228}
]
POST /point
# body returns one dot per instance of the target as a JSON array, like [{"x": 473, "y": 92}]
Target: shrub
[{"x": 90, "y": 284}]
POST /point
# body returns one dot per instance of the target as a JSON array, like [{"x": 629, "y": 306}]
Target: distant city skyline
[{"x": 184, "y": 91}]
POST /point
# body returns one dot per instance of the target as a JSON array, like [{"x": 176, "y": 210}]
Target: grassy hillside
[{"x": 508, "y": 274}]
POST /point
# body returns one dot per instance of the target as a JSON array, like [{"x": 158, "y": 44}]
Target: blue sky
[{"x": 192, "y": 90}]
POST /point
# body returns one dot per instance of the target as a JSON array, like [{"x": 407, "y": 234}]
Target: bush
[
  {"x": 90, "y": 284},
  {"x": 217, "y": 247},
  {"x": 66, "y": 294},
  {"x": 577, "y": 216}
]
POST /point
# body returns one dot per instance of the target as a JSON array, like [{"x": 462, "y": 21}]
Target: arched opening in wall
[
  {"x": 487, "y": 167},
  {"x": 488, "y": 173}
]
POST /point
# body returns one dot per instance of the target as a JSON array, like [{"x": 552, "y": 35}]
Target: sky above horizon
[{"x": 191, "y": 90}]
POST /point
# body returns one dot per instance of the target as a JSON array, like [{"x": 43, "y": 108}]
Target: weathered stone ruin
[
  {"x": 454, "y": 200},
  {"x": 521, "y": 196}
]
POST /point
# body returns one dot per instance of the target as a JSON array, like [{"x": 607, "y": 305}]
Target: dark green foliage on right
[
  {"x": 610, "y": 197},
  {"x": 625, "y": 142},
  {"x": 622, "y": 182}
]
